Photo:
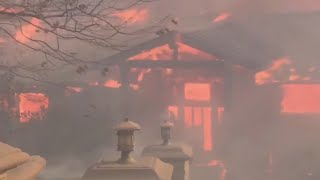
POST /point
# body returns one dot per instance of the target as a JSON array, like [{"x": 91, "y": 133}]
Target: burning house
[{"x": 240, "y": 92}]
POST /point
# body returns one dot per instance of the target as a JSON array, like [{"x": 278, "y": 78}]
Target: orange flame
[
  {"x": 198, "y": 116},
  {"x": 132, "y": 16},
  {"x": 135, "y": 86},
  {"x": 163, "y": 52},
  {"x": 282, "y": 70},
  {"x": 222, "y": 17},
  {"x": 27, "y": 31},
  {"x": 267, "y": 75},
  {"x": 32, "y": 105},
  {"x": 143, "y": 73},
  {"x": 301, "y": 98},
  {"x": 197, "y": 91},
  {"x": 112, "y": 84}
]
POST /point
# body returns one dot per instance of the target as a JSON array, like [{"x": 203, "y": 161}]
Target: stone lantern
[
  {"x": 166, "y": 132},
  {"x": 126, "y": 168},
  {"x": 125, "y": 131},
  {"x": 178, "y": 155}
]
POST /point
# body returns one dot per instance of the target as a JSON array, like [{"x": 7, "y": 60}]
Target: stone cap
[
  {"x": 168, "y": 152},
  {"x": 128, "y": 125},
  {"x": 18, "y": 165},
  {"x": 11, "y": 157},
  {"x": 146, "y": 168}
]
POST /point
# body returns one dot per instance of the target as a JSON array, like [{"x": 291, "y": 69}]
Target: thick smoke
[{"x": 255, "y": 132}]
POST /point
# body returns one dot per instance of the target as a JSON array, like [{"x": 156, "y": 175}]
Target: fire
[
  {"x": 32, "y": 105},
  {"x": 112, "y": 84},
  {"x": 268, "y": 75},
  {"x": 282, "y": 70},
  {"x": 207, "y": 130},
  {"x": 143, "y": 73},
  {"x": 163, "y": 52},
  {"x": 135, "y": 86},
  {"x": 301, "y": 98},
  {"x": 132, "y": 16},
  {"x": 197, "y": 91},
  {"x": 222, "y": 17},
  {"x": 166, "y": 53},
  {"x": 27, "y": 31},
  {"x": 199, "y": 115}
]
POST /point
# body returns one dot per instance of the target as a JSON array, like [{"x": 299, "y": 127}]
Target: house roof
[{"x": 253, "y": 42}]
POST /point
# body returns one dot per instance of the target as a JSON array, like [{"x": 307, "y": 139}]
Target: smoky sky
[{"x": 195, "y": 7}]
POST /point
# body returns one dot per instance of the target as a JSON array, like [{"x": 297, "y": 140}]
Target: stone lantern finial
[{"x": 125, "y": 131}]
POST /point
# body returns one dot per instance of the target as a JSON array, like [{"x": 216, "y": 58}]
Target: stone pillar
[
  {"x": 127, "y": 168},
  {"x": 142, "y": 169},
  {"x": 178, "y": 155}
]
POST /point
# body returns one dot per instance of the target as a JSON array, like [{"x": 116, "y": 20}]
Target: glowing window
[
  {"x": 301, "y": 98},
  {"x": 32, "y": 105},
  {"x": 197, "y": 91}
]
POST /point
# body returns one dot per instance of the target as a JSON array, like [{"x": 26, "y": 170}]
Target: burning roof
[{"x": 254, "y": 42}]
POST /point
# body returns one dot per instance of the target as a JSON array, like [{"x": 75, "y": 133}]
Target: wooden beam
[
  {"x": 124, "y": 55},
  {"x": 175, "y": 64}
]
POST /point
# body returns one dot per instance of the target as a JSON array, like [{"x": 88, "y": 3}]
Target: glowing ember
[
  {"x": 186, "y": 51},
  {"x": 168, "y": 71},
  {"x": 222, "y": 17},
  {"x": 32, "y": 106},
  {"x": 112, "y": 84},
  {"x": 163, "y": 52},
  {"x": 27, "y": 31},
  {"x": 197, "y": 91},
  {"x": 132, "y": 16},
  {"x": 301, "y": 98},
  {"x": 135, "y": 86},
  {"x": 142, "y": 74},
  {"x": 268, "y": 75},
  {"x": 173, "y": 110}
]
